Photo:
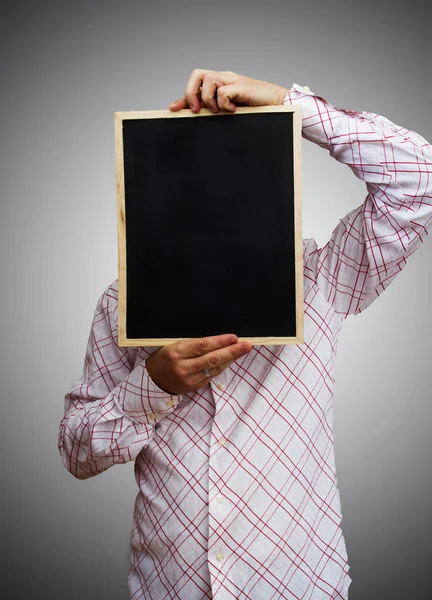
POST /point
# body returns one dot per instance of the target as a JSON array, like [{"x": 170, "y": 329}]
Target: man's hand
[
  {"x": 221, "y": 90},
  {"x": 179, "y": 367}
]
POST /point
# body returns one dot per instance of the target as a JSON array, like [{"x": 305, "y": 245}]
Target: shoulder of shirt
[
  {"x": 111, "y": 294},
  {"x": 109, "y": 304},
  {"x": 108, "y": 301},
  {"x": 309, "y": 248}
]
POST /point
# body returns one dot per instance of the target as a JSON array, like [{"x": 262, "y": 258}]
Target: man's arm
[
  {"x": 371, "y": 244},
  {"x": 111, "y": 410}
]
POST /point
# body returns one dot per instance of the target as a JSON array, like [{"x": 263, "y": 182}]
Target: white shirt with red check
[{"x": 238, "y": 496}]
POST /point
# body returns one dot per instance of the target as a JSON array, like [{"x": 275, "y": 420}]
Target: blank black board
[{"x": 209, "y": 211}]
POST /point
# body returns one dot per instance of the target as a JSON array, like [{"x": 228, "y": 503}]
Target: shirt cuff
[
  {"x": 302, "y": 95},
  {"x": 320, "y": 119},
  {"x": 143, "y": 401}
]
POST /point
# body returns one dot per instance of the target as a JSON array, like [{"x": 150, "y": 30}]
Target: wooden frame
[{"x": 119, "y": 117}]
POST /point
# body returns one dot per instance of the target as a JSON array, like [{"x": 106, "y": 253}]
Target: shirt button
[
  {"x": 170, "y": 403},
  {"x": 220, "y": 385},
  {"x": 220, "y": 498},
  {"x": 306, "y": 88},
  {"x": 222, "y": 441},
  {"x": 153, "y": 417},
  {"x": 219, "y": 556}
]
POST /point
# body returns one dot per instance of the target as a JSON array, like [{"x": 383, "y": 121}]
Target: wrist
[{"x": 281, "y": 94}]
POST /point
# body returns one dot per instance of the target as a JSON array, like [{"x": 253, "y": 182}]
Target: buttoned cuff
[
  {"x": 143, "y": 401},
  {"x": 320, "y": 119},
  {"x": 304, "y": 94}
]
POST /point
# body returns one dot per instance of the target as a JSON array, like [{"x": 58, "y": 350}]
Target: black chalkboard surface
[{"x": 210, "y": 237}]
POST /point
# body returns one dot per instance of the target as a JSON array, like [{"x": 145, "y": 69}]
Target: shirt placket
[{"x": 220, "y": 505}]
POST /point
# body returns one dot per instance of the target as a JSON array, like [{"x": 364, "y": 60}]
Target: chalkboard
[{"x": 209, "y": 225}]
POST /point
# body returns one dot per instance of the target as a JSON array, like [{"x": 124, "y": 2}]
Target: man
[{"x": 233, "y": 443}]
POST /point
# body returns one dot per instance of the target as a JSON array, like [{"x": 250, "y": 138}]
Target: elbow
[
  {"x": 80, "y": 469},
  {"x": 75, "y": 459},
  {"x": 82, "y": 474},
  {"x": 76, "y": 468}
]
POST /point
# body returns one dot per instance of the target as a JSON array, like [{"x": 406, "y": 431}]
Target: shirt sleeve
[
  {"x": 372, "y": 243},
  {"x": 111, "y": 411}
]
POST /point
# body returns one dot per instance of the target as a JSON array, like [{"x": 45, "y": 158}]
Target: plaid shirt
[{"x": 238, "y": 494}]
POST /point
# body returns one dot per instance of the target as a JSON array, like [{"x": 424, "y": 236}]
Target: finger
[
  {"x": 193, "y": 89},
  {"x": 213, "y": 360},
  {"x": 186, "y": 349},
  {"x": 228, "y": 93},
  {"x": 208, "y": 93},
  {"x": 205, "y": 82},
  {"x": 218, "y": 370},
  {"x": 199, "y": 381},
  {"x": 182, "y": 104},
  {"x": 179, "y": 104}
]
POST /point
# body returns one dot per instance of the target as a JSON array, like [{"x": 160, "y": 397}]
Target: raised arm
[
  {"x": 112, "y": 409},
  {"x": 371, "y": 244}
]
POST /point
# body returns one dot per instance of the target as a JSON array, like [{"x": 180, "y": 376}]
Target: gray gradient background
[{"x": 66, "y": 67}]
